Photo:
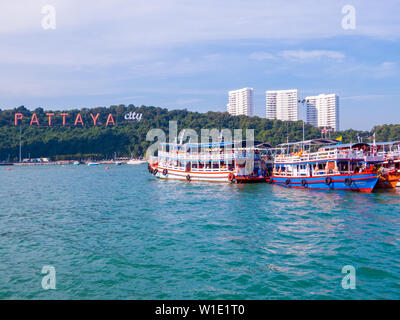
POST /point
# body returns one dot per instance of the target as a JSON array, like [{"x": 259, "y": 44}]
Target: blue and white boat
[{"x": 297, "y": 165}]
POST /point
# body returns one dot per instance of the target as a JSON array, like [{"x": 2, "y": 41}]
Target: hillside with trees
[{"x": 128, "y": 138}]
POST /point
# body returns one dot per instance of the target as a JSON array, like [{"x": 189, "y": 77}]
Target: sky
[{"x": 188, "y": 54}]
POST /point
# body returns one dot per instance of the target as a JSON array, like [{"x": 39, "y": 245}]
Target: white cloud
[
  {"x": 382, "y": 70},
  {"x": 304, "y": 55},
  {"x": 299, "y": 55},
  {"x": 262, "y": 56},
  {"x": 366, "y": 97}
]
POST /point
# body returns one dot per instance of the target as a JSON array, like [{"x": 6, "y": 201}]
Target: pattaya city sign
[{"x": 77, "y": 120}]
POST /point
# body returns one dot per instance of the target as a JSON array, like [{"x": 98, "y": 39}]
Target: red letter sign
[
  {"x": 95, "y": 119},
  {"x": 78, "y": 119},
  {"x": 49, "y": 115},
  {"x": 63, "y": 115},
  {"x": 34, "y": 119},
  {"x": 18, "y": 116},
  {"x": 110, "y": 119}
]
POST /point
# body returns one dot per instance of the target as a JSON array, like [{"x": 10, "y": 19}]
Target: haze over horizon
[{"x": 190, "y": 54}]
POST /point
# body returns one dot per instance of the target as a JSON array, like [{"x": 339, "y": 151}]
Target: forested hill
[{"x": 128, "y": 137}]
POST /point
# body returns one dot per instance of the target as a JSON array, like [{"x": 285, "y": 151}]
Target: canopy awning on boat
[
  {"x": 389, "y": 143},
  {"x": 348, "y": 146},
  {"x": 314, "y": 142},
  {"x": 233, "y": 144}
]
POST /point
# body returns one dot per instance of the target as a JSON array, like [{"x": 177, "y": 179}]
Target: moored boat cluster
[{"x": 314, "y": 164}]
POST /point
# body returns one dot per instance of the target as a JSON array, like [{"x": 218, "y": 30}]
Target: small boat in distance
[
  {"x": 76, "y": 163},
  {"x": 92, "y": 164},
  {"x": 298, "y": 165},
  {"x": 136, "y": 161}
]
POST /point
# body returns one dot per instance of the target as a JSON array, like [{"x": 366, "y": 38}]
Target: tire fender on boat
[
  {"x": 348, "y": 181},
  {"x": 328, "y": 181},
  {"x": 303, "y": 182},
  {"x": 287, "y": 181},
  {"x": 231, "y": 177},
  {"x": 188, "y": 177},
  {"x": 165, "y": 172},
  {"x": 155, "y": 171}
]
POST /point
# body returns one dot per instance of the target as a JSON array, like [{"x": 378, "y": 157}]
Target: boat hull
[
  {"x": 361, "y": 182},
  {"x": 223, "y": 177},
  {"x": 388, "y": 181}
]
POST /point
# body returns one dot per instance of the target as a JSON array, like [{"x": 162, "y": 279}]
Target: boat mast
[
  {"x": 303, "y": 101},
  {"x": 20, "y": 144}
]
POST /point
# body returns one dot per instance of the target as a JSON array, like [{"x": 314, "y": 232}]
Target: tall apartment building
[
  {"x": 282, "y": 105},
  {"x": 323, "y": 111},
  {"x": 241, "y": 102}
]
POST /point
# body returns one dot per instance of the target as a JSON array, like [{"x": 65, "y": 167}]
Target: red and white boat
[{"x": 214, "y": 162}]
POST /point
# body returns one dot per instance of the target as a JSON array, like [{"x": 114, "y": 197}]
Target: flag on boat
[{"x": 340, "y": 139}]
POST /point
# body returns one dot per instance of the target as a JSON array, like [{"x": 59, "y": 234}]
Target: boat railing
[
  {"x": 205, "y": 156},
  {"x": 319, "y": 156},
  {"x": 315, "y": 174}
]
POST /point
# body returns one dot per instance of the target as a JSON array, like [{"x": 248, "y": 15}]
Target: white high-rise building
[
  {"x": 241, "y": 102},
  {"x": 323, "y": 111},
  {"x": 282, "y": 105}
]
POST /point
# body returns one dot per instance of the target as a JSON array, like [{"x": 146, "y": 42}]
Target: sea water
[{"x": 123, "y": 234}]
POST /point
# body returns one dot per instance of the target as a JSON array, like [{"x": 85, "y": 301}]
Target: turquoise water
[{"x": 122, "y": 234}]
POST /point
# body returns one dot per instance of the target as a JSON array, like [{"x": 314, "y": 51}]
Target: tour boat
[
  {"x": 214, "y": 162},
  {"x": 384, "y": 157},
  {"x": 389, "y": 167},
  {"x": 327, "y": 168}
]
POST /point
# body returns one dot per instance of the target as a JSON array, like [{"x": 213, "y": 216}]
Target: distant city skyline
[
  {"x": 323, "y": 111},
  {"x": 152, "y": 53},
  {"x": 282, "y": 104},
  {"x": 240, "y": 102}
]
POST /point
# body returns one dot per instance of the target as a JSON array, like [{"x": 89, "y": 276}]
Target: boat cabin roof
[
  {"x": 234, "y": 144},
  {"x": 348, "y": 146},
  {"x": 314, "y": 142}
]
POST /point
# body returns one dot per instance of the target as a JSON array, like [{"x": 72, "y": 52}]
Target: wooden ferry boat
[
  {"x": 383, "y": 156},
  {"x": 214, "y": 162},
  {"x": 297, "y": 165},
  {"x": 389, "y": 167}
]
